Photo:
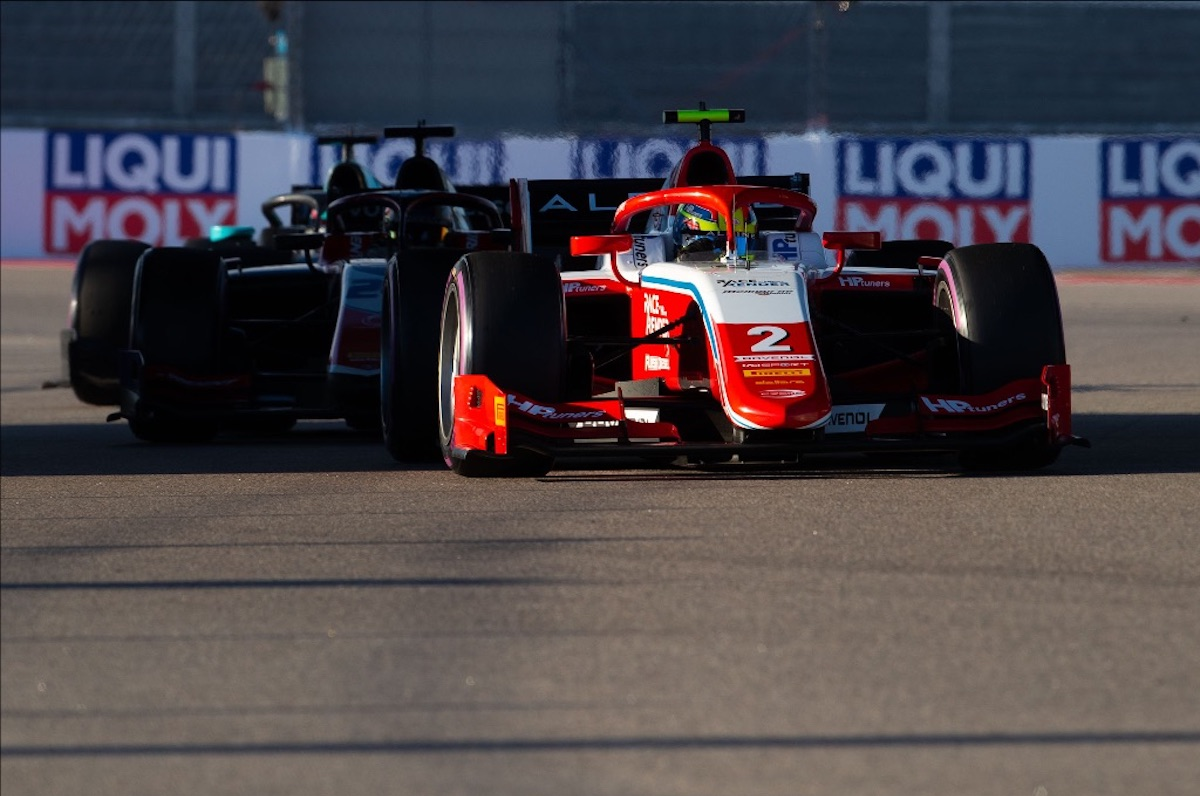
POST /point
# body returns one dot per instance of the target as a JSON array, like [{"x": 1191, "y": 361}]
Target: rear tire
[
  {"x": 101, "y": 303},
  {"x": 1003, "y": 302},
  {"x": 178, "y": 321},
  {"x": 502, "y": 317}
]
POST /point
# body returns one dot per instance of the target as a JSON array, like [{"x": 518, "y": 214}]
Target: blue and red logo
[
  {"x": 463, "y": 162},
  {"x": 1150, "y": 200},
  {"x": 161, "y": 188},
  {"x": 960, "y": 190},
  {"x": 605, "y": 158}
]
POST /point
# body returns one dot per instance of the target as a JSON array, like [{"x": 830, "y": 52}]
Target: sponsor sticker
[
  {"x": 957, "y": 406},
  {"x": 656, "y": 363},
  {"x": 543, "y": 412},
  {"x": 864, "y": 282},
  {"x": 853, "y": 418},
  {"x": 775, "y": 372},
  {"x": 583, "y": 288}
]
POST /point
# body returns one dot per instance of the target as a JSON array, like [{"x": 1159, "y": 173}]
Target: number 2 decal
[{"x": 771, "y": 337}]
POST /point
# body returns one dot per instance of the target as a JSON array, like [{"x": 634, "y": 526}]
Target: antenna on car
[
  {"x": 704, "y": 116},
  {"x": 419, "y": 133}
]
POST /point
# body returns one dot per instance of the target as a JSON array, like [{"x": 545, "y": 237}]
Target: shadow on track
[
  {"x": 1121, "y": 444},
  {"x": 110, "y": 449},
  {"x": 614, "y": 744}
]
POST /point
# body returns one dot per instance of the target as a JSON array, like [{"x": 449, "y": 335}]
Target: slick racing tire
[
  {"x": 1003, "y": 302},
  {"x": 502, "y": 317},
  {"x": 101, "y": 302},
  {"x": 408, "y": 356},
  {"x": 178, "y": 319}
]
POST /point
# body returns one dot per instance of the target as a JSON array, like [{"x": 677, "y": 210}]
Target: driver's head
[
  {"x": 694, "y": 221},
  {"x": 427, "y": 224}
]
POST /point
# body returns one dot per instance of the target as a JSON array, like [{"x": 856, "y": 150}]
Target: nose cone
[
  {"x": 776, "y": 408},
  {"x": 773, "y": 377}
]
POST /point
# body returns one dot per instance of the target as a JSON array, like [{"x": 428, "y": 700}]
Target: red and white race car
[{"x": 710, "y": 321}]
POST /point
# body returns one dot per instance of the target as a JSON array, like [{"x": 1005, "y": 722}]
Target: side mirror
[
  {"x": 583, "y": 245},
  {"x": 841, "y": 240}
]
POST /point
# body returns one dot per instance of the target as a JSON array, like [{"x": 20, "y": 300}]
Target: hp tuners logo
[
  {"x": 1150, "y": 209},
  {"x": 583, "y": 288},
  {"x": 962, "y": 191},
  {"x": 158, "y": 188},
  {"x": 541, "y": 412},
  {"x": 862, "y": 281},
  {"x": 641, "y": 257},
  {"x": 956, "y": 406}
]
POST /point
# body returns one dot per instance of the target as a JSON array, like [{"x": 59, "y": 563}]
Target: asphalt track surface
[{"x": 301, "y": 616}]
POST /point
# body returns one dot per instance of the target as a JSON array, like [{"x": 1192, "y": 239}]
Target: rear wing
[{"x": 544, "y": 214}]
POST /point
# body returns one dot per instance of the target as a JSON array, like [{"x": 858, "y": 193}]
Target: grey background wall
[{"x": 542, "y": 67}]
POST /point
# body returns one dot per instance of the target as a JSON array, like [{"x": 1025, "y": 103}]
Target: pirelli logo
[{"x": 776, "y": 372}]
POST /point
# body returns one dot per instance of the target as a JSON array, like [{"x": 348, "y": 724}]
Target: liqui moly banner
[
  {"x": 464, "y": 162},
  {"x": 1085, "y": 200},
  {"x": 960, "y": 190},
  {"x": 1150, "y": 200},
  {"x": 604, "y": 158},
  {"x": 161, "y": 188}
]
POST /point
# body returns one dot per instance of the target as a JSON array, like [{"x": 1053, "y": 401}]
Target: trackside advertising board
[
  {"x": 1085, "y": 200},
  {"x": 959, "y": 190},
  {"x": 468, "y": 162},
  {"x": 156, "y": 187},
  {"x": 655, "y": 157},
  {"x": 1150, "y": 202}
]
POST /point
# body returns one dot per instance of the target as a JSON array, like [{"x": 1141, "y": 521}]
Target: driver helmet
[
  {"x": 693, "y": 222},
  {"x": 428, "y": 224}
]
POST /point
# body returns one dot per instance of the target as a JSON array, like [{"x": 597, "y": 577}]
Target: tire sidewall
[{"x": 101, "y": 304}]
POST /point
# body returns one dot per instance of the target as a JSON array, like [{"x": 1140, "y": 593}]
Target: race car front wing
[{"x": 497, "y": 422}]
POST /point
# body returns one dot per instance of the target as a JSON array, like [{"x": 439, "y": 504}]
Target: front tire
[
  {"x": 502, "y": 317},
  {"x": 408, "y": 356},
  {"x": 1003, "y": 302},
  {"x": 178, "y": 322},
  {"x": 101, "y": 303}
]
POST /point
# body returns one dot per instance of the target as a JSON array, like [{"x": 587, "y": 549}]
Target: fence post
[
  {"x": 184, "y": 72},
  {"x": 938, "y": 69}
]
